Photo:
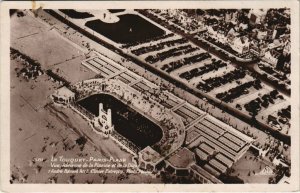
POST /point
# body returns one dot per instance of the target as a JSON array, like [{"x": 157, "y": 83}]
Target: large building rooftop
[{"x": 183, "y": 158}]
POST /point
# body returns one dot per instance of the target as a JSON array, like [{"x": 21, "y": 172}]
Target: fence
[{"x": 125, "y": 142}]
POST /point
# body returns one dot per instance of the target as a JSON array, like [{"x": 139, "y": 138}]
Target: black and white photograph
[{"x": 159, "y": 95}]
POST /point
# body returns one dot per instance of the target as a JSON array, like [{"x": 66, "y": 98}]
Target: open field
[
  {"x": 42, "y": 44},
  {"x": 72, "y": 70}
]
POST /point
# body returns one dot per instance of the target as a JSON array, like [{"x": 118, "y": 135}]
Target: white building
[
  {"x": 287, "y": 48},
  {"x": 221, "y": 38},
  {"x": 261, "y": 35},
  {"x": 258, "y": 49},
  {"x": 271, "y": 58},
  {"x": 257, "y": 16},
  {"x": 149, "y": 159},
  {"x": 211, "y": 31},
  {"x": 240, "y": 45},
  {"x": 63, "y": 96},
  {"x": 231, "y": 17},
  {"x": 243, "y": 26},
  {"x": 231, "y": 35},
  {"x": 103, "y": 123}
]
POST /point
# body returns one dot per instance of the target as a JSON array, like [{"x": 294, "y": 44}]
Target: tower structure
[{"x": 103, "y": 123}]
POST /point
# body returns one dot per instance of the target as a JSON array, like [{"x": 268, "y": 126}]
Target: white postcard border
[{"x": 5, "y": 97}]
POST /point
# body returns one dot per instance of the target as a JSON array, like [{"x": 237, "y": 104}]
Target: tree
[{"x": 271, "y": 180}]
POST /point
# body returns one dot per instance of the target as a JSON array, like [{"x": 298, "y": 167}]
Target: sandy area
[
  {"x": 41, "y": 43},
  {"x": 39, "y": 129},
  {"x": 251, "y": 170}
]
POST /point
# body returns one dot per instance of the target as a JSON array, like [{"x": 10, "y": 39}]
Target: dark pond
[
  {"x": 129, "y": 29},
  {"x": 127, "y": 122},
  {"x": 75, "y": 14},
  {"x": 116, "y": 10}
]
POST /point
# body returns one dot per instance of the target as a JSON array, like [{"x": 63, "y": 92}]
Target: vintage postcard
[{"x": 152, "y": 96}]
